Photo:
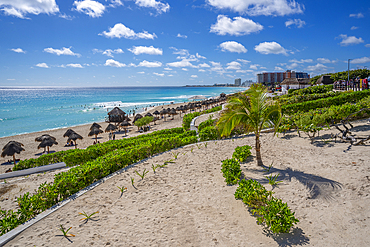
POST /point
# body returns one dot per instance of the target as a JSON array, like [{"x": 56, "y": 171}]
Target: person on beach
[
  {"x": 110, "y": 136},
  {"x": 114, "y": 136}
]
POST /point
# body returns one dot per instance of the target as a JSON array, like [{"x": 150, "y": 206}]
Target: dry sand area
[{"x": 187, "y": 203}]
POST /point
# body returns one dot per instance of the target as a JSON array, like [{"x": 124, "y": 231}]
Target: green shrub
[
  {"x": 209, "y": 122},
  {"x": 269, "y": 210},
  {"x": 209, "y": 133},
  {"x": 231, "y": 171},
  {"x": 242, "y": 153},
  {"x": 69, "y": 182}
]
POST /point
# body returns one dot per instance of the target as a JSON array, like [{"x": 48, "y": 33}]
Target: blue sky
[{"x": 175, "y": 43}]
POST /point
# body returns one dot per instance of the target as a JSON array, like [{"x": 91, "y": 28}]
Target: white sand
[{"x": 187, "y": 203}]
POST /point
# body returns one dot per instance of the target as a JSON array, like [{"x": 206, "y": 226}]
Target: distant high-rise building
[
  {"x": 238, "y": 82},
  {"x": 271, "y": 77}
]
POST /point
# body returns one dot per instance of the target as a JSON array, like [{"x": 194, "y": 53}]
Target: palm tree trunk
[
  {"x": 14, "y": 158},
  {"x": 258, "y": 151}
]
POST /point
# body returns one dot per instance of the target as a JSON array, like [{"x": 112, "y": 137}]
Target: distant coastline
[{"x": 225, "y": 85}]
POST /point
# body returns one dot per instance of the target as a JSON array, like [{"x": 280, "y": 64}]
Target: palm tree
[{"x": 252, "y": 110}]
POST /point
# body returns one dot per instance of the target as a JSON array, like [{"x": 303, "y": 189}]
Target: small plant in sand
[
  {"x": 154, "y": 167},
  {"x": 87, "y": 216},
  {"x": 272, "y": 180},
  {"x": 185, "y": 153},
  {"x": 191, "y": 149},
  {"x": 267, "y": 169},
  {"x": 175, "y": 155},
  {"x": 123, "y": 189},
  {"x": 65, "y": 232},
  {"x": 205, "y": 144},
  {"x": 199, "y": 146},
  {"x": 142, "y": 175},
  {"x": 132, "y": 182}
]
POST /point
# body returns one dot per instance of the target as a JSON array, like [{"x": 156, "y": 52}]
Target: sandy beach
[{"x": 188, "y": 203}]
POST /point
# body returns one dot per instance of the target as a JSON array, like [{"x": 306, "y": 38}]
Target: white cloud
[
  {"x": 201, "y": 70},
  {"x": 233, "y": 46},
  {"x": 90, "y": 8},
  {"x": 109, "y": 52},
  {"x": 121, "y": 31},
  {"x": 137, "y": 50},
  {"x": 63, "y": 51},
  {"x": 351, "y": 40},
  {"x": 159, "y": 6},
  {"x": 158, "y": 74},
  {"x": 301, "y": 61},
  {"x": 115, "y": 3},
  {"x": 180, "y": 64},
  {"x": 233, "y": 65},
  {"x": 318, "y": 68},
  {"x": 114, "y": 63},
  {"x": 243, "y": 60},
  {"x": 367, "y": 45},
  {"x": 298, "y": 22},
  {"x": 204, "y": 65},
  {"x": 42, "y": 65},
  {"x": 67, "y": 17},
  {"x": 325, "y": 60},
  {"x": 270, "y": 48},
  {"x": 293, "y": 66},
  {"x": 18, "y": 50},
  {"x": 361, "y": 60},
  {"x": 194, "y": 76},
  {"x": 181, "y": 36},
  {"x": 167, "y": 69},
  {"x": 170, "y": 75},
  {"x": 74, "y": 65},
  {"x": 200, "y": 56},
  {"x": 20, "y": 8},
  {"x": 258, "y": 7},
  {"x": 354, "y": 28},
  {"x": 141, "y": 72},
  {"x": 240, "y": 26},
  {"x": 254, "y": 66},
  {"x": 217, "y": 67},
  {"x": 185, "y": 69},
  {"x": 359, "y": 15},
  {"x": 278, "y": 68},
  {"x": 149, "y": 64}
]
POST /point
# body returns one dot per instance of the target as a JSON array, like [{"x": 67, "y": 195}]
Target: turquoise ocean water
[{"x": 26, "y": 110}]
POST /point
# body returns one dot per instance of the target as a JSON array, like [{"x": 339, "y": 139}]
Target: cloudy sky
[{"x": 176, "y": 42}]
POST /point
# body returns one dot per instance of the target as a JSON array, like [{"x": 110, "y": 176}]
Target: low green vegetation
[
  {"x": 242, "y": 153},
  {"x": 270, "y": 211},
  {"x": 113, "y": 155},
  {"x": 231, "y": 171},
  {"x": 186, "y": 120}
]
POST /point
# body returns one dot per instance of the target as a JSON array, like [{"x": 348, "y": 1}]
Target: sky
[{"x": 108, "y": 43}]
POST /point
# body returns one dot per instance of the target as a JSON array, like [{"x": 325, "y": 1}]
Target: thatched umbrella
[
  {"x": 95, "y": 132},
  {"x": 172, "y": 112},
  {"x": 68, "y": 132},
  {"x": 110, "y": 128},
  {"x": 43, "y": 137},
  {"x": 124, "y": 124},
  {"x": 12, "y": 143},
  {"x": 148, "y": 114},
  {"x": 163, "y": 113},
  {"x": 95, "y": 125},
  {"x": 11, "y": 148},
  {"x": 48, "y": 141},
  {"x": 156, "y": 112},
  {"x": 73, "y": 137},
  {"x": 137, "y": 117}
]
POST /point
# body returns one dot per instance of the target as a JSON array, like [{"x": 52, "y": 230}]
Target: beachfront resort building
[
  {"x": 269, "y": 78},
  {"x": 238, "y": 82}
]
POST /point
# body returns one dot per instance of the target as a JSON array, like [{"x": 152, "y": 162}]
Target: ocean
[{"x": 26, "y": 110}]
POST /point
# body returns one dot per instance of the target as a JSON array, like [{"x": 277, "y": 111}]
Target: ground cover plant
[
  {"x": 69, "y": 182},
  {"x": 242, "y": 153},
  {"x": 186, "y": 120},
  {"x": 270, "y": 211},
  {"x": 231, "y": 171}
]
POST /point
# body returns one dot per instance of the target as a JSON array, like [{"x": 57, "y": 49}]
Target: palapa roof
[
  {"x": 296, "y": 81},
  {"x": 116, "y": 112}
]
